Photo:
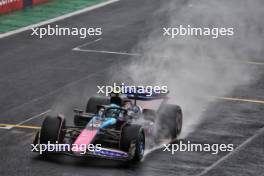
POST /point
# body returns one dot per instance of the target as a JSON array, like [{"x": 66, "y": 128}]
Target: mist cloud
[{"x": 198, "y": 67}]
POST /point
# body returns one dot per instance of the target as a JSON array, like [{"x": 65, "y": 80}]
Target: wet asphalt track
[{"x": 37, "y": 75}]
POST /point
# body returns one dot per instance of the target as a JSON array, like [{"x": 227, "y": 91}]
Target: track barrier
[{"x": 7, "y": 6}]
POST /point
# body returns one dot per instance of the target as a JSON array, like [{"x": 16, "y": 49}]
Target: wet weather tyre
[
  {"x": 133, "y": 134},
  {"x": 140, "y": 147},
  {"x": 93, "y": 102},
  {"x": 52, "y": 130},
  {"x": 179, "y": 122},
  {"x": 169, "y": 123}
]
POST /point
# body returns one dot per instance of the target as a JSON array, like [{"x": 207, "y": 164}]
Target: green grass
[{"x": 32, "y": 15}]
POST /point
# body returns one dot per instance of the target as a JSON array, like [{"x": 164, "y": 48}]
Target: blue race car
[{"x": 121, "y": 125}]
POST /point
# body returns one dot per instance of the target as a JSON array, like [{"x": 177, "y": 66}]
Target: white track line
[
  {"x": 27, "y": 120},
  {"x": 138, "y": 54},
  {"x": 105, "y": 52},
  {"x": 88, "y": 43},
  {"x": 6, "y": 128},
  {"x": 79, "y": 48},
  {"x": 254, "y": 63},
  {"x": 231, "y": 153},
  {"x": 58, "y": 18}
]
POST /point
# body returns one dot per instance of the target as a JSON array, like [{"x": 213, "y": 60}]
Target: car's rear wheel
[
  {"x": 133, "y": 134},
  {"x": 93, "y": 102},
  {"x": 169, "y": 123}
]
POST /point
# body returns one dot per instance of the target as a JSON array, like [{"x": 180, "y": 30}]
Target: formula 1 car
[{"x": 120, "y": 124}]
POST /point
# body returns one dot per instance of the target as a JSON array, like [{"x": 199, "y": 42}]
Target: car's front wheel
[
  {"x": 52, "y": 130},
  {"x": 133, "y": 134}
]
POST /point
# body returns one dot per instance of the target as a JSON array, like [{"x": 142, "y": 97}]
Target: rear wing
[{"x": 147, "y": 96}]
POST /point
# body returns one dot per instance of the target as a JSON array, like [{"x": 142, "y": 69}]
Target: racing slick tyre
[
  {"x": 93, "y": 102},
  {"x": 169, "y": 123},
  {"x": 133, "y": 134},
  {"x": 52, "y": 130}
]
